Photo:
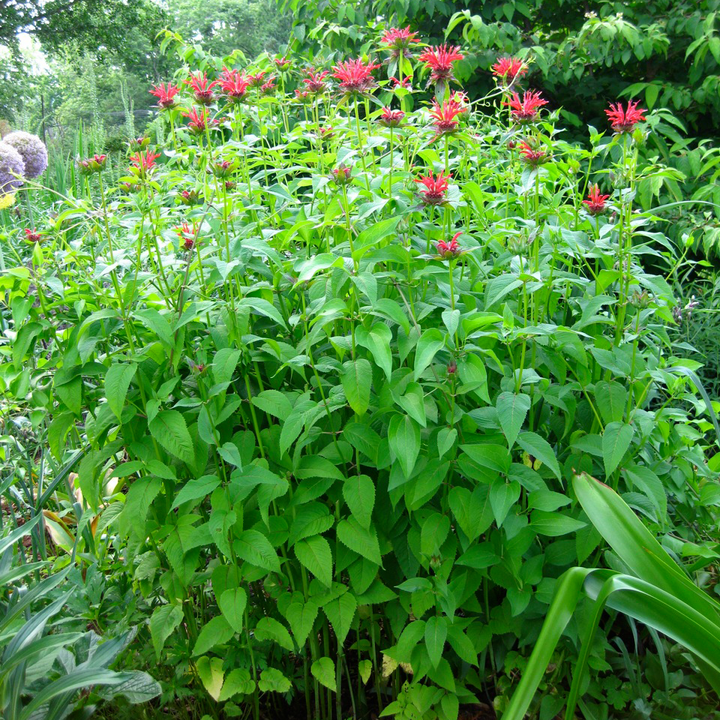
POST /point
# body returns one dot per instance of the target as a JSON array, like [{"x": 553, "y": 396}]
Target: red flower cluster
[
  {"x": 144, "y": 162},
  {"x": 258, "y": 79},
  {"x": 444, "y": 116},
  {"x": 198, "y": 121},
  {"x": 315, "y": 81},
  {"x": 190, "y": 197},
  {"x": 450, "y": 249},
  {"x": 165, "y": 95},
  {"x": 398, "y": 41},
  {"x": 202, "y": 88},
  {"x": 282, "y": 64},
  {"x": 92, "y": 165},
  {"x": 526, "y": 110},
  {"x": 268, "y": 87},
  {"x": 303, "y": 97},
  {"x": 355, "y": 76},
  {"x": 187, "y": 234},
  {"x": 435, "y": 188},
  {"x": 391, "y": 118},
  {"x": 32, "y": 236},
  {"x": 404, "y": 83},
  {"x": 234, "y": 84},
  {"x": 624, "y": 120},
  {"x": 532, "y": 156},
  {"x": 596, "y": 201},
  {"x": 342, "y": 175},
  {"x": 440, "y": 60},
  {"x": 509, "y": 69}
]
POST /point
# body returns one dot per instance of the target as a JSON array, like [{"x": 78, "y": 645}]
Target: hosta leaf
[
  {"x": 315, "y": 554},
  {"x": 323, "y": 670},
  {"x": 359, "y": 494}
]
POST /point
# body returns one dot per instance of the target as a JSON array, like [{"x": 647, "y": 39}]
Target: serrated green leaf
[
  {"x": 356, "y": 381},
  {"x": 232, "y": 604},
  {"x": 315, "y": 554},
  {"x": 323, "y": 670},
  {"x": 359, "y": 494},
  {"x": 512, "y": 410},
  {"x": 117, "y": 382},
  {"x": 361, "y": 540},
  {"x": 168, "y": 427},
  {"x": 163, "y": 622}
]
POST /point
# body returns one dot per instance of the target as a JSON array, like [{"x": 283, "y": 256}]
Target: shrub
[{"x": 344, "y": 371}]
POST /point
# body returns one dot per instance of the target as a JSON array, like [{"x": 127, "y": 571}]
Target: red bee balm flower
[
  {"x": 444, "y": 116},
  {"x": 595, "y": 202},
  {"x": 399, "y": 40},
  {"x": 303, "y": 96},
  {"x": 391, "y": 118},
  {"x": 435, "y": 188},
  {"x": 509, "y": 69},
  {"x": 624, "y": 120},
  {"x": 198, "y": 121},
  {"x": 531, "y": 156},
  {"x": 202, "y": 89},
  {"x": 187, "y": 234},
  {"x": 526, "y": 110},
  {"x": 404, "y": 83},
  {"x": 448, "y": 250},
  {"x": 257, "y": 79},
  {"x": 165, "y": 95},
  {"x": 234, "y": 84},
  {"x": 32, "y": 236},
  {"x": 355, "y": 76},
  {"x": 342, "y": 175},
  {"x": 282, "y": 64},
  {"x": 267, "y": 88},
  {"x": 144, "y": 161},
  {"x": 315, "y": 81},
  {"x": 440, "y": 60}
]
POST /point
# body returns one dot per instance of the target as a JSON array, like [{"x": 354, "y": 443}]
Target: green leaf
[
  {"x": 211, "y": 674},
  {"x": 365, "y": 670},
  {"x": 196, "y": 488},
  {"x": 272, "y": 680},
  {"x": 323, "y": 670},
  {"x": 413, "y": 403},
  {"x": 224, "y": 364},
  {"x": 253, "y": 547},
  {"x": 611, "y": 399},
  {"x": 378, "y": 341},
  {"x": 356, "y": 381},
  {"x": 270, "y": 629},
  {"x": 359, "y": 494},
  {"x": 315, "y": 554},
  {"x": 430, "y": 342},
  {"x": 216, "y": 632},
  {"x": 169, "y": 429},
  {"x": 238, "y": 682},
  {"x": 553, "y": 524},
  {"x": 117, "y": 382},
  {"x": 232, "y": 604},
  {"x": 340, "y": 612},
  {"x": 539, "y": 448},
  {"x": 264, "y": 308},
  {"x": 615, "y": 443},
  {"x": 163, "y": 622},
  {"x": 436, "y": 629},
  {"x": 361, "y": 540},
  {"x": 404, "y": 438},
  {"x": 301, "y": 617},
  {"x": 502, "y": 497},
  {"x": 512, "y": 410}
]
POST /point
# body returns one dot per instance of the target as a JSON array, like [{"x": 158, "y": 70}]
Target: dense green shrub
[{"x": 330, "y": 379}]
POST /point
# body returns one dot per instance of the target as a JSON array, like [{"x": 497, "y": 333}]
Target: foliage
[
  {"x": 327, "y": 426},
  {"x": 656, "y": 592},
  {"x": 44, "y": 666}
]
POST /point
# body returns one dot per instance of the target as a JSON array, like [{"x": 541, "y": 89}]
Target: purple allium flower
[
  {"x": 11, "y": 164},
  {"x": 32, "y": 150}
]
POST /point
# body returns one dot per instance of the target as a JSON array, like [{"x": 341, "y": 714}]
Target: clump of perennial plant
[{"x": 31, "y": 149}]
